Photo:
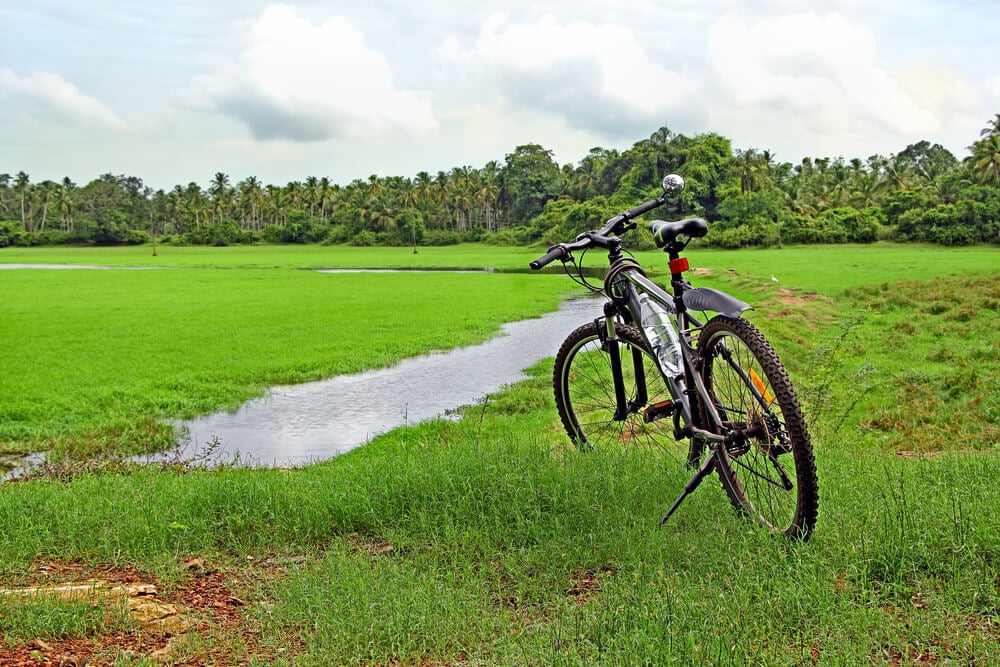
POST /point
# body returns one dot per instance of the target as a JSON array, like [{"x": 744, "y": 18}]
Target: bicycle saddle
[{"x": 664, "y": 232}]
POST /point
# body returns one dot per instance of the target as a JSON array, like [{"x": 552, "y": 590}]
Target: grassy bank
[{"x": 488, "y": 541}]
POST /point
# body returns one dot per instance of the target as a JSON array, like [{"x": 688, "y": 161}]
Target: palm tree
[
  {"x": 250, "y": 198},
  {"x": 295, "y": 195},
  {"x": 175, "y": 208},
  {"x": 487, "y": 193},
  {"x": 194, "y": 202},
  {"x": 46, "y": 188},
  {"x": 4, "y": 187},
  {"x": 984, "y": 163},
  {"x": 221, "y": 199},
  {"x": 22, "y": 184},
  {"x": 277, "y": 199},
  {"x": 64, "y": 202},
  {"x": 324, "y": 196},
  {"x": 992, "y": 127},
  {"x": 312, "y": 194},
  {"x": 381, "y": 215},
  {"x": 750, "y": 165}
]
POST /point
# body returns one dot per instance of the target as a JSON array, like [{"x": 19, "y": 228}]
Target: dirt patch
[
  {"x": 790, "y": 297},
  {"x": 585, "y": 584},
  {"x": 164, "y": 617}
]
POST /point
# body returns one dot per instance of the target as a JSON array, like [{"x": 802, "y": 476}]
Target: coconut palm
[
  {"x": 324, "y": 196},
  {"x": 22, "y": 184},
  {"x": 992, "y": 127},
  {"x": 64, "y": 202},
  {"x": 984, "y": 163}
]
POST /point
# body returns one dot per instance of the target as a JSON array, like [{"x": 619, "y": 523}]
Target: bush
[
  {"x": 364, "y": 239},
  {"x": 11, "y": 234},
  {"x": 441, "y": 237},
  {"x": 136, "y": 237},
  {"x": 219, "y": 234},
  {"x": 336, "y": 234}
]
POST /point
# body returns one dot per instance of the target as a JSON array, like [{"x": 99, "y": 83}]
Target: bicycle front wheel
[
  {"x": 586, "y": 399},
  {"x": 767, "y": 469}
]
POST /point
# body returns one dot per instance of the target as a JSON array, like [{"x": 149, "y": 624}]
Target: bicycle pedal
[{"x": 658, "y": 411}]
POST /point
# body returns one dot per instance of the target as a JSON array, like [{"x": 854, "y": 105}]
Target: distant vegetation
[{"x": 922, "y": 193}]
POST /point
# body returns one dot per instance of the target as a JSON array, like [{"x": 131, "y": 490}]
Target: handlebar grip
[
  {"x": 645, "y": 207},
  {"x": 554, "y": 253}
]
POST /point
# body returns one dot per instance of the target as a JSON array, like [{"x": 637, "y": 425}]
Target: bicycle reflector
[
  {"x": 679, "y": 265},
  {"x": 757, "y": 382}
]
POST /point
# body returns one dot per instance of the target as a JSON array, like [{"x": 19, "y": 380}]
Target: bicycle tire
[
  {"x": 585, "y": 394},
  {"x": 751, "y": 392}
]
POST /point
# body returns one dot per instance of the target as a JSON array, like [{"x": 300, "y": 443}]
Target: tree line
[{"x": 922, "y": 193}]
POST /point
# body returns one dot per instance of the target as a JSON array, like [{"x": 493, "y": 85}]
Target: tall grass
[{"x": 488, "y": 541}]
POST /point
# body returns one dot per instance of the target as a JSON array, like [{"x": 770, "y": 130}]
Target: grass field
[{"x": 488, "y": 540}]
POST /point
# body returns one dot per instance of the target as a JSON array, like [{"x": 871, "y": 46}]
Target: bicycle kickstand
[{"x": 702, "y": 472}]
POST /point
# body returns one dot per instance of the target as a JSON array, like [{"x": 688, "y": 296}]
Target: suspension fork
[{"x": 613, "y": 344}]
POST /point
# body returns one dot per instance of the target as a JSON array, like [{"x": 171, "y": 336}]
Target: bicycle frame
[{"x": 626, "y": 281}]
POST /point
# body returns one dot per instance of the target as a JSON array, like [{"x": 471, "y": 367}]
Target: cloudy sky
[{"x": 174, "y": 91}]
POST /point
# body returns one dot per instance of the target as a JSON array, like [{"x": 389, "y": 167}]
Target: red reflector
[{"x": 679, "y": 265}]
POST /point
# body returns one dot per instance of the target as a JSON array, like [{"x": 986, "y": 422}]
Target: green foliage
[
  {"x": 12, "y": 233},
  {"x": 974, "y": 218},
  {"x": 110, "y": 227},
  {"x": 530, "y": 178},
  {"x": 923, "y": 191},
  {"x": 221, "y": 234}
]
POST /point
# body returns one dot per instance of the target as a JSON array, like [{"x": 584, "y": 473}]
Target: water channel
[{"x": 304, "y": 423}]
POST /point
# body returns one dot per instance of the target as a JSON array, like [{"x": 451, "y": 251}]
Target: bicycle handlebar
[
  {"x": 613, "y": 226},
  {"x": 554, "y": 253}
]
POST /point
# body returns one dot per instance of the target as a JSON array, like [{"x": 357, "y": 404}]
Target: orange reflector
[{"x": 757, "y": 382}]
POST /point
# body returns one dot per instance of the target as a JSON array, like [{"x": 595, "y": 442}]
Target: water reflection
[{"x": 304, "y": 423}]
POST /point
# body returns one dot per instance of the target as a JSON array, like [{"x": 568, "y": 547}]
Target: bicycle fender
[{"x": 706, "y": 298}]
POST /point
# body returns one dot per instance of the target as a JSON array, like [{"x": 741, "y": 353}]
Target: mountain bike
[{"x": 710, "y": 391}]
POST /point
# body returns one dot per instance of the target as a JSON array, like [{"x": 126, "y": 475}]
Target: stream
[
  {"x": 304, "y": 423},
  {"x": 300, "y": 424}
]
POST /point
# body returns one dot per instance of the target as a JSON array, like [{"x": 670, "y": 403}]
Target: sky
[{"x": 175, "y": 91}]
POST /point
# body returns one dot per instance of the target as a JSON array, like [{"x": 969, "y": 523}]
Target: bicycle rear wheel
[
  {"x": 768, "y": 469},
  {"x": 585, "y": 393}
]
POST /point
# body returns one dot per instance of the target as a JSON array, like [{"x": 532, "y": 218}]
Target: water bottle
[{"x": 662, "y": 335}]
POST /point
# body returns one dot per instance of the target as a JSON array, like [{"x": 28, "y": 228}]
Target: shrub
[{"x": 11, "y": 234}]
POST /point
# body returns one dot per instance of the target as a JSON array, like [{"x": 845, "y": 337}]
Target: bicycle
[{"x": 650, "y": 373}]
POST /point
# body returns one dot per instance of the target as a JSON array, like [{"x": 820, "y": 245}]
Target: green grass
[
  {"x": 489, "y": 540},
  {"x": 44, "y": 615},
  {"x": 469, "y": 256},
  {"x": 823, "y": 269}
]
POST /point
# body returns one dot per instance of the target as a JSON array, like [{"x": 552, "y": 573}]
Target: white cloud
[
  {"x": 47, "y": 96},
  {"x": 824, "y": 67},
  {"x": 596, "y": 76},
  {"x": 306, "y": 81}
]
